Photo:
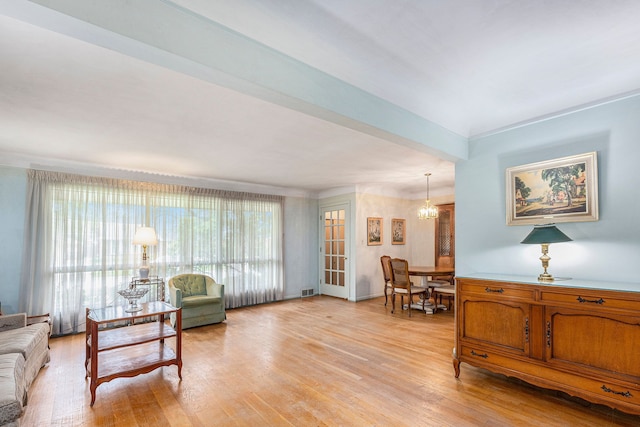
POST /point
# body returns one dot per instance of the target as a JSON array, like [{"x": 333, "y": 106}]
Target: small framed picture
[
  {"x": 558, "y": 190},
  {"x": 374, "y": 231},
  {"x": 398, "y": 231}
]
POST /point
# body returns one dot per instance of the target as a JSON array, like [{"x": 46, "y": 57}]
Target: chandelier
[{"x": 428, "y": 211}]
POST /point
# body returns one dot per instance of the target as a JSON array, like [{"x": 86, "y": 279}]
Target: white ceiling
[{"x": 470, "y": 66}]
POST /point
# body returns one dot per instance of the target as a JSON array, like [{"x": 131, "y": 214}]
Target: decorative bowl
[{"x": 132, "y": 295}]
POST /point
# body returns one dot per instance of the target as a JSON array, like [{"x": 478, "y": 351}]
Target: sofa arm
[
  {"x": 40, "y": 318},
  {"x": 13, "y": 321},
  {"x": 176, "y": 296},
  {"x": 215, "y": 290}
]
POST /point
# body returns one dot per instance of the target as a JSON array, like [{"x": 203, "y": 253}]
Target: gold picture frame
[
  {"x": 374, "y": 231},
  {"x": 398, "y": 231},
  {"x": 553, "y": 191}
]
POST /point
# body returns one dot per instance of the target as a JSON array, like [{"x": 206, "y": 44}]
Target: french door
[{"x": 334, "y": 256}]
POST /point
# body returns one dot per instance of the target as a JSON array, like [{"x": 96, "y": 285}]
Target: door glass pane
[
  {"x": 334, "y": 234},
  {"x": 444, "y": 233}
]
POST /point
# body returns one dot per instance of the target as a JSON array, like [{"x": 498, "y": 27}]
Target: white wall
[
  {"x": 608, "y": 249},
  {"x": 418, "y": 250}
]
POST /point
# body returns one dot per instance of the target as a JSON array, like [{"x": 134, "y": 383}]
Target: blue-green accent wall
[
  {"x": 608, "y": 249},
  {"x": 13, "y": 185}
]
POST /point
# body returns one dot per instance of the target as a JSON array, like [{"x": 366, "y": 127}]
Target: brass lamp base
[{"x": 545, "y": 258}]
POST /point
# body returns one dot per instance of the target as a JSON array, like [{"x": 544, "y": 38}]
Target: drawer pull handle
[
  {"x": 488, "y": 289},
  {"x": 526, "y": 329},
  {"x": 594, "y": 301},
  {"x": 484, "y": 356},
  {"x": 620, "y": 393}
]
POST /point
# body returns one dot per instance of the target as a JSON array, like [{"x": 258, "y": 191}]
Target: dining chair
[
  {"x": 385, "y": 260},
  {"x": 401, "y": 285},
  {"x": 449, "y": 292},
  {"x": 439, "y": 286}
]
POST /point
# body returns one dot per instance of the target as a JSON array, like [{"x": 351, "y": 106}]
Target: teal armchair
[{"x": 200, "y": 297}]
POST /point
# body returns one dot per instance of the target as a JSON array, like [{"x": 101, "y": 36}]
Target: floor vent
[{"x": 307, "y": 293}]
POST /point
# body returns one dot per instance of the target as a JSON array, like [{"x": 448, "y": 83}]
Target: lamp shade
[
  {"x": 547, "y": 233},
  {"x": 145, "y": 236}
]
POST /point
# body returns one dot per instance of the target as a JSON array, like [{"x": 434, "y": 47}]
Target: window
[{"x": 80, "y": 232}]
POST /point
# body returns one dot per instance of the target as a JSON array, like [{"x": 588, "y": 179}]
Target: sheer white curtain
[{"x": 78, "y": 234}]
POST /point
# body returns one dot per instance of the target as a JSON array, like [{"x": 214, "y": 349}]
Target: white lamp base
[{"x": 144, "y": 272}]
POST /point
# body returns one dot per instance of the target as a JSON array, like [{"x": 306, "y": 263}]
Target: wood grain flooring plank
[{"x": 316, "y": 361}]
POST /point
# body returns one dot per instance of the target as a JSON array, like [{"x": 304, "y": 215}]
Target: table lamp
[
  {"x": 145, "y": 236},
  {"x": 544, "y": 235}
]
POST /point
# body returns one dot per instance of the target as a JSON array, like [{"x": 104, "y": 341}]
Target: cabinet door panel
[
  {"x": 497, "y": 323},
  {"x": 608, "y": 343}
]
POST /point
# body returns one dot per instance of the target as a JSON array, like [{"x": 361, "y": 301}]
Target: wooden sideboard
[{"x": 579, "y": 337}]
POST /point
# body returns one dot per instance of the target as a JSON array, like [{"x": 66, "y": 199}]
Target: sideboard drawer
[
  {"x": 589, "y": 300},
  {"x": 616, "y": 395},
  {"x": 496, "y": 290},
  {"x": 480, "y": 356}
]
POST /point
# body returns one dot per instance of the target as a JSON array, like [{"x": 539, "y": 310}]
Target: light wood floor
[{"x": 317, "y": 361}]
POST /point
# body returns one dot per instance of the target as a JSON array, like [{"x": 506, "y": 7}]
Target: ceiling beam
[{"x": 171, "y": 36}]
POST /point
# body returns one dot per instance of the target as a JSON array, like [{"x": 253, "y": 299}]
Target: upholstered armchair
[{"x": 200, "y": 297}]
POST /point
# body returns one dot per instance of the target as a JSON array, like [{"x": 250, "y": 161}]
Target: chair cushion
[
  {"x": 414, "y": 290},
  {"x": 197, "y": 300},
  {"x": 24, "y": 340},
  {"x": 438, "y": 283},
  {"x": 12, "y": 392},
  {"x": 191, "y": 284}
]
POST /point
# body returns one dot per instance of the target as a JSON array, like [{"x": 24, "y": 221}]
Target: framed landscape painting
[
  {"x": 398, "y": 231},
  {"x": 559, "y": 190},
  {"x": 374, "y": 231}
]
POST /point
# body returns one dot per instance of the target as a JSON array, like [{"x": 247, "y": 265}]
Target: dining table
[
  {"x": 426, "y": 272},
  {"x": 430, "y": 271}
]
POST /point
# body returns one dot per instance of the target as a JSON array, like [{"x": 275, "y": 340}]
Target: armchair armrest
[
  {"x": 176, "y": 296},
  {"x": 215, "y": 290},
  {"x": 13, "y": 321}
]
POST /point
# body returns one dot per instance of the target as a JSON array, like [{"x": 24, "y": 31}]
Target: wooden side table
[{"x": 109, "y": 352}]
